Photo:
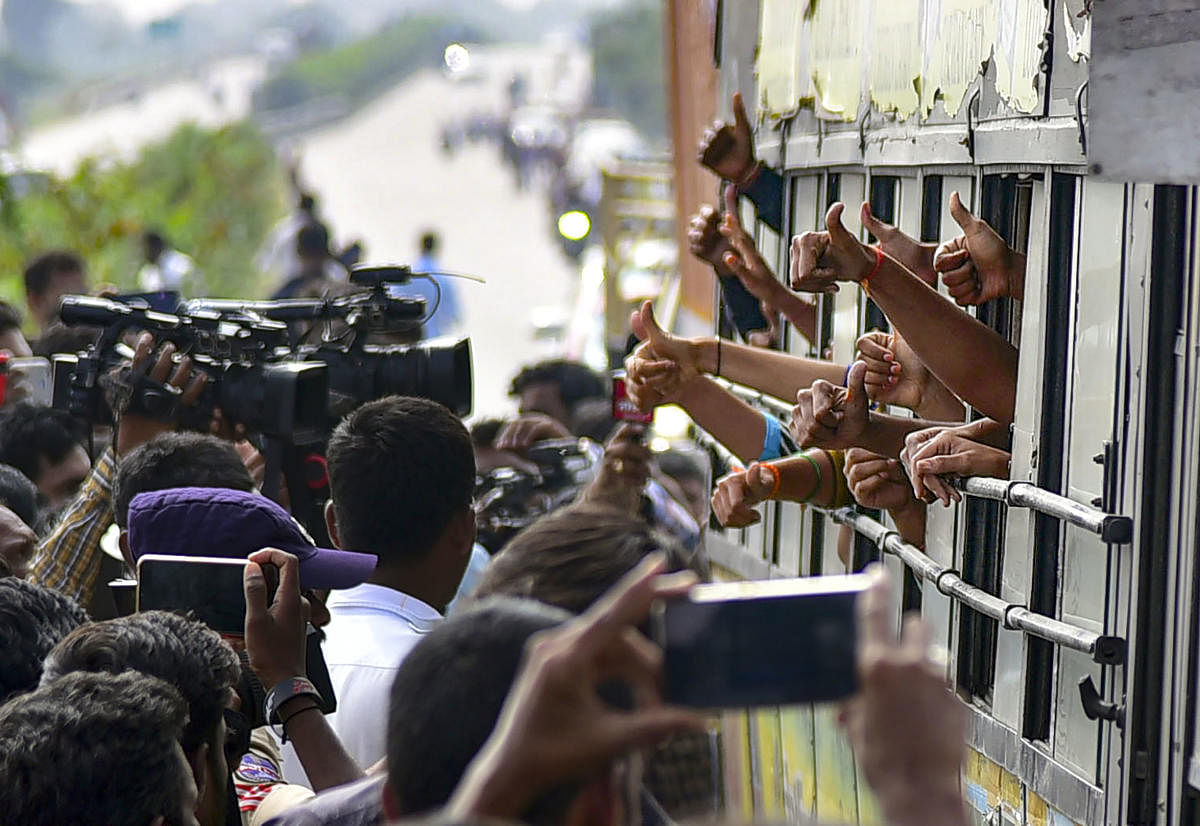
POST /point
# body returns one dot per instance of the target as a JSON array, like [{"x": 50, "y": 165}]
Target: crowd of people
[{"x": 512, "y": 680}]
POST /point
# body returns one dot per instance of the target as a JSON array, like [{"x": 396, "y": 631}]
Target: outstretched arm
[
  {"x": 774, "y": 373},
  {"x": 980, "y": 367}
]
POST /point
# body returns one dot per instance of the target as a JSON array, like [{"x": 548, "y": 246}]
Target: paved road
[{"x": 381, "y": 177}]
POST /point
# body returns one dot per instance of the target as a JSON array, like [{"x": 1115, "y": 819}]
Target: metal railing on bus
[
  {"x": 1111, "y": 528},
  {"x": 1104, "y": 649},
  {"x": 1014, "y": 616}
]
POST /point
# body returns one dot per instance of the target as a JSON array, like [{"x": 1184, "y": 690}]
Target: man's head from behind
[
  {"x": 556, "y": 388},
  {"x": 96, "y": 750},
  {"x": 447, "y": 697},
  {"x": 177, "y": 460},
  {"x": 33, "y": 619},
  {"x": 48, "y": 278},
  {"x": 187, "y": 655},
  {"x": 46, "y": 445},
  {"x": 573, "y": 556},
  {"x": 402, "y": 476}
]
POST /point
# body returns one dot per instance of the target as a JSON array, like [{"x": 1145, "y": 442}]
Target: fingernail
[
  {"x": 888, "y": 357},
  {"x": 895, "y": 368}
]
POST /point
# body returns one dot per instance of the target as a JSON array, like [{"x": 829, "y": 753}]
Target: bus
[{"x": 1065, "y": 596}]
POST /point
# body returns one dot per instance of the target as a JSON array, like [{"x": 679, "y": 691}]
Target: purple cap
[{"x": 235, "y": 524}]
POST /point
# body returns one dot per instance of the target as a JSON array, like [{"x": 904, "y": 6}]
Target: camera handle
[{"x": 303, "y": 468}]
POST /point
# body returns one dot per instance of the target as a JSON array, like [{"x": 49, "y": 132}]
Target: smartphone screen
[
  {"x": 209, "y": 587},
  {"x": 747, "y": 644}
]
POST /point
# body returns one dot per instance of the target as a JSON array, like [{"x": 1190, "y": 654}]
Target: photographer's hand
[
  {"x": 623, "y": 470},
  {"x": 134, "y": 430},
  {"x": 275, "y": 644},
  {"x": 524, "y": 432}
]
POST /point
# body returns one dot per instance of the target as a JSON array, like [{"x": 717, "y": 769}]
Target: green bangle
[{"x": 817, "y": 487}]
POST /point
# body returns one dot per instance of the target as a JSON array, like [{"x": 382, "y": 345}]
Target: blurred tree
[
  {"x": 627, "y": 51},
  {"x": 214, "y": 193}
]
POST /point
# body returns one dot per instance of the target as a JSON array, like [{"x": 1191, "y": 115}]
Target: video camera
[
  {"x": 251, "y": 376},
  {"x": 361, "y": 371}
]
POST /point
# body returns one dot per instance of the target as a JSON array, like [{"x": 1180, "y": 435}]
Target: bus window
[
  {"x": 1047, "y": 532},
  {"x": 1005, "y": 204}
]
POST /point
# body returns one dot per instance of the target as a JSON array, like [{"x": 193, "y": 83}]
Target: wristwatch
[{"x": 284, "y": 691}]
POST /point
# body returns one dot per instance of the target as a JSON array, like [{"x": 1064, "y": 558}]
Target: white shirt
[{"x": 371, "y": 631}]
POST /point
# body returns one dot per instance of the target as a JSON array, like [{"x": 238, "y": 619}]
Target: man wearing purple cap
[{"x": 235, "y": 523}]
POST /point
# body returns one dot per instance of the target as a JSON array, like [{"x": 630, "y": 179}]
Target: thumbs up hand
[
  {"x": 728, "y": 149},
  {"x": 821, "y": 259},
  {"x": 658, "y": 370},
  {"x": 978, "y": 265},
  {"x": 829, "y": 416}
]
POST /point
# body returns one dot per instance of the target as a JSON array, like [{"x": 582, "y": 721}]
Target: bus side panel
[{"x": 799, "y": 766}]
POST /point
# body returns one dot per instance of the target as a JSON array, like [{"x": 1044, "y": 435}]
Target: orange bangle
[
  {"x": 778, "y": 479},
  {"x": 874, "y": 269}
]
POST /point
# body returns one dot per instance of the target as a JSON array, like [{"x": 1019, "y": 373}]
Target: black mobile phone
[
  {"x": 776, "y": 642},
  {"x": 211, "y": 589}
]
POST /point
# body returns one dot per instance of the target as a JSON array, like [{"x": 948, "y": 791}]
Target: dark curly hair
[
  {"x": 182, "y": 651},
  {"x": 93, "y": 750},
  {"x": 33, "y": 619}
]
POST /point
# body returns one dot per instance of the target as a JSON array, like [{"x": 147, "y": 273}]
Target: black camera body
[{"x": 251, "y": 379}]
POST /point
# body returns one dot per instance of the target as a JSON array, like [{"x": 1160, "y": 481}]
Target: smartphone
[
  {"x": 623, "y": 407},
  {"x": 211, "y": 590},
  {"x": 771, "y": 643},
  {"x": 28, "y": 379},
  {"x": 209, "y": 587}
]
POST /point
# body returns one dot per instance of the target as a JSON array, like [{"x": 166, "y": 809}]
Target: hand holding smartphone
[
  {"x": 211, "y": 590},
  {"x": 776, "y": 642}
]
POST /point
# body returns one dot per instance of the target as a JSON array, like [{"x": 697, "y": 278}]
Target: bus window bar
[
  {"x": 1106, "y": 650},
  {"x": 1111, "y": 528},
  {"x": 755, "y": 398}
]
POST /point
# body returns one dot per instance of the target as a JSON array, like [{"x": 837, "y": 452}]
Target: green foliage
[
  {"x": 214, "y": 193},
  {"x": 360, "y": 70},
  {"x": 627, "y": 50}
]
